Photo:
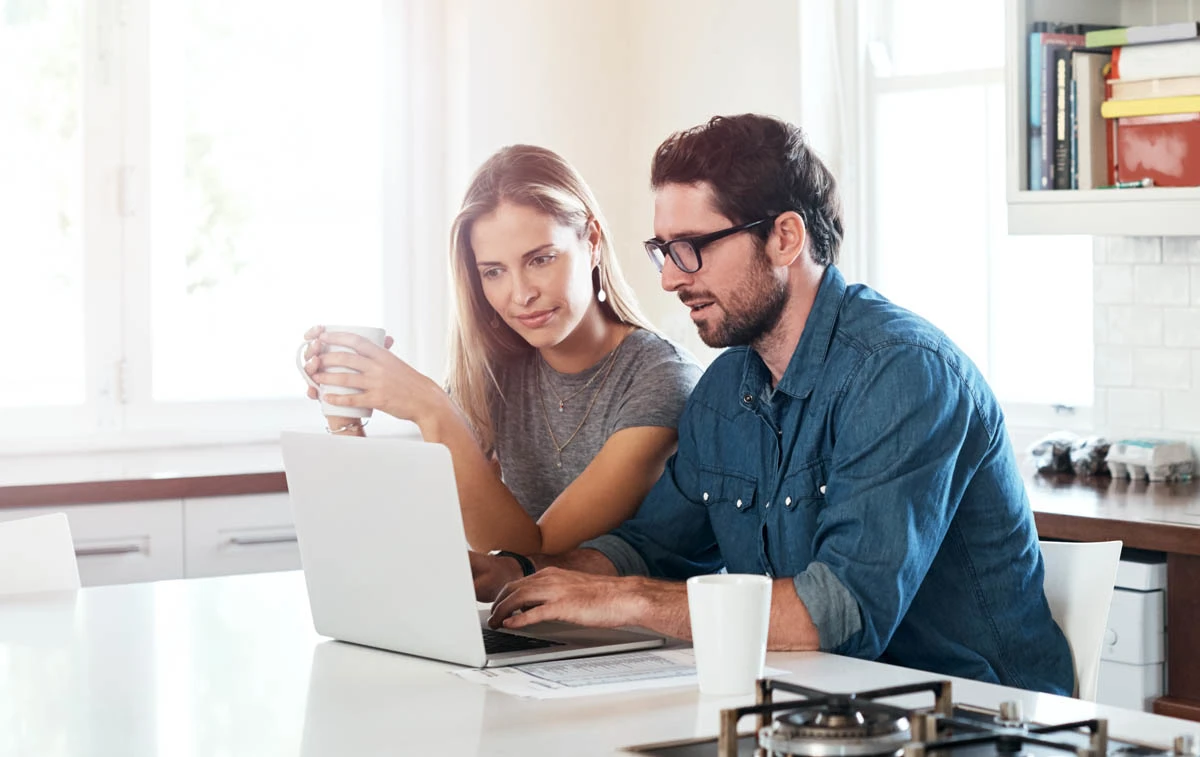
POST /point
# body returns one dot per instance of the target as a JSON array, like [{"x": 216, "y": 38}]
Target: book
[
  {"x": 1163, "y": 148},
  {"x": 1151, "y": 106},
  {"x": 1073, "y": 118},
  {"x": 1043, "y": 102},
  {"x": 1140, "y": 35},
  {"x": 1091, "y": 139},
  {"x": 1144, "y": 88},
  {"x": 1162, "y": 60},
  {"x": 1062, "y": 132},
  {"x": 1044, "y": 37}
]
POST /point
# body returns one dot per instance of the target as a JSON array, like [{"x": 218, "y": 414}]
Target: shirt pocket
[
  {"x": 727, "y": 492},
  {"x": 804, "y": 489}
]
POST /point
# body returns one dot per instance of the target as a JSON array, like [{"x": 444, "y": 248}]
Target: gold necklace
[
  {"x": 546, "y": 416},
  {"x": 562, "y": 401}
]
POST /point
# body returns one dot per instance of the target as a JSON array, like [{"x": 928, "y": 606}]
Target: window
[
  {"x": 1019, "y": 306},
  {"x": 41, "y": 203},
  {"x": 185, "y": 186}
]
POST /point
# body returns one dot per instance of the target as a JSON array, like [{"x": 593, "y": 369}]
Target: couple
[{"x": 843, "y": 446}]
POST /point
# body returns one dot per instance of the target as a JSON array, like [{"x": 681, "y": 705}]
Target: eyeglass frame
[{"x": 697, "y": 242}]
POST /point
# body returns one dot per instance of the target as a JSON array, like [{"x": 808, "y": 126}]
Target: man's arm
[{"x": 583, "y": 587}]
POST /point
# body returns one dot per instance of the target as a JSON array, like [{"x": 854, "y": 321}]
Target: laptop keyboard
[{"x": 498, "y": 642}]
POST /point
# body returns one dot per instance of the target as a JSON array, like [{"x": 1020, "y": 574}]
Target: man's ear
[{"x": 788, "y": 237}]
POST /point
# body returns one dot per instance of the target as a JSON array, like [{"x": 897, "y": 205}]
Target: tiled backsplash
[{"x": 1147, "y": 337}]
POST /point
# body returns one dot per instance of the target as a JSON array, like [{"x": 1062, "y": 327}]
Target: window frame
[{"x": 1023, "y": 416}]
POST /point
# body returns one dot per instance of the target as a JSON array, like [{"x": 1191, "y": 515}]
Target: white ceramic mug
[
  {"x": 730, "y": 614},
  {"x": 375, "y": 335}
]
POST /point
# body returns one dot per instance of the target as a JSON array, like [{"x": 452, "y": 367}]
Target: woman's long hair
[{"x": 482, "y": 344}]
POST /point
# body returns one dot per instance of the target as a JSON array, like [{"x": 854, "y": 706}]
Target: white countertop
[
  {"x": 125, "y": 465},
  {"x": 231, "y": 666}
]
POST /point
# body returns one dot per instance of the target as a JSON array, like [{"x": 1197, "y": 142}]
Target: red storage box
[{"x": 1165, "y": 149}]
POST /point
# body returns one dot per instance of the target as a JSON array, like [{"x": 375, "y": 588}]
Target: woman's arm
[{"x": 602, "y": 497}]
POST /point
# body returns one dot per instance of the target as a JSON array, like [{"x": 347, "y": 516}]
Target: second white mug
[
  {"x": 372, "y": 333},
  {"x": 730, "y": 614}
]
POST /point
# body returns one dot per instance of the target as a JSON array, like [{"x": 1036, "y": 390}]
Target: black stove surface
[
  {"x": 956, "y": 731},
  {"x": 748, "y": 744}
]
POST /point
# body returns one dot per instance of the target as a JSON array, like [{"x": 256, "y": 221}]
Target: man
[{"x": 843, "y": 446}]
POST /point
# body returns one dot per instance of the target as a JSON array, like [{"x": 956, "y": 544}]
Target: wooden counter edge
[
  {"x": 141, "y": 490},
  {"x": 1180, "y": 538}
]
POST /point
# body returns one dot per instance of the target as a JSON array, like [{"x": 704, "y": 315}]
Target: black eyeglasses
[{"x": 685, "y": 251}]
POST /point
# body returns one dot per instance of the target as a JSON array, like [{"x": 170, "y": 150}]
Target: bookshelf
[{"x": 1152, "y": 211}]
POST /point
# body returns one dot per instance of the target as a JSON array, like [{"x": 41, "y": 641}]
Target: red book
[{"x": 1165, "y": 149}]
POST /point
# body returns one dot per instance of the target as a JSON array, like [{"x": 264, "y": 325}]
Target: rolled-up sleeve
[
  {"x": 833, "y": 609},
  {"x": 901, "y": 424},
  {"x": 627, "y": 560}
]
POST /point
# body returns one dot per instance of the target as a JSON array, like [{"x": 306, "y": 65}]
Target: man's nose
[{"x": 671, "y": 277}]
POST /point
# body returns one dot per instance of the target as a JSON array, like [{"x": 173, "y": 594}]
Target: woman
[{"x": 561, "y": 406}]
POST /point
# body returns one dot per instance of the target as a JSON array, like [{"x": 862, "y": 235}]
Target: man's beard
[{"x": 751, "y": 312}]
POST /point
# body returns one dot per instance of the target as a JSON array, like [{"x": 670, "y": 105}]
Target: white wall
[
  {"x": 1147, "y": 337},
  {"x": 603, "y": 82}
]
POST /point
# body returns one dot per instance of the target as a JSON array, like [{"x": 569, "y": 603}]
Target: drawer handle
[
  {"x": 116, "y": 549},
  {"x": 249, "y": 541}
]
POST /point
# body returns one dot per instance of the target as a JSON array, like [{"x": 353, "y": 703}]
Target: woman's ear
[{"x": 593, "y": 239}]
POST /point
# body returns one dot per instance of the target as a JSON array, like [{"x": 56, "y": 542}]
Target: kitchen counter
[
  {"x": 140, "y": 475},
  {"x": 1154, "y": 516},
  {"x": 232, "y": 666}
]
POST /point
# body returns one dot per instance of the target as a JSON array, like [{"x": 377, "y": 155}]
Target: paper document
[{"x": 607, "y": 674}]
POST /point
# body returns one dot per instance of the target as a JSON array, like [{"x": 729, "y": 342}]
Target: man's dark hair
[{"x": 758, "y": 167}]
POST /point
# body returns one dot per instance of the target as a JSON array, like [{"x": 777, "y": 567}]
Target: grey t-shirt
[{"x": 647, "y": 385}]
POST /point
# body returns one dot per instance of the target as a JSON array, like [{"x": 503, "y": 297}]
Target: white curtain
[
  {"x": 831, "y": 107},
  {"x": 426, "y": 141}
]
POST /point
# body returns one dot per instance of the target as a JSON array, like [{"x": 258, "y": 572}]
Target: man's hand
[
  {"x": 556, "y": 594},
  {"x": 491, "y": 574}
]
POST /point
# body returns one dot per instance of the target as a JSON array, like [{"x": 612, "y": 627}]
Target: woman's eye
[
  {"x": 541, "y": 260},
  {"x": 490, "y": 273}
]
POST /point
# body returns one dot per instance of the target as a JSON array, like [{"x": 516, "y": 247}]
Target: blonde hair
[{"x": 480, "y": 344}]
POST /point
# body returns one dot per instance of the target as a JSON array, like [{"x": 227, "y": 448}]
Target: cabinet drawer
[
  {"x": 124, "y": 542},
  {"x": 242, "y": 534},
  {"x": 1136, "y": 628}
]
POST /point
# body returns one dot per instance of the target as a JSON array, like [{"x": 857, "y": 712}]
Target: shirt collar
[{"x": 806, "y": 363}]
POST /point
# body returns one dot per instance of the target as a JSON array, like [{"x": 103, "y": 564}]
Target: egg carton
[{"x": 1156, "y": 459}]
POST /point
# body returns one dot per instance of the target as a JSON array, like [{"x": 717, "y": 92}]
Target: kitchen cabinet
[
  {"x": 239, "y": 534},
  {"x": 117, "y": 543}
]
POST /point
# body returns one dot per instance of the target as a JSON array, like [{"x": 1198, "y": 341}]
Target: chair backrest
[
  {"x": 37, "y": 554},
  {"x": 1079, "y": 587}
]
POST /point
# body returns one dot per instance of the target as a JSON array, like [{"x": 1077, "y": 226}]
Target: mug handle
[{"x": 300, "y": 366}]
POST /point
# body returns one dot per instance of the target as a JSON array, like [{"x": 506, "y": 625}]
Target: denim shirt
[{"x": 878, "y": 475}]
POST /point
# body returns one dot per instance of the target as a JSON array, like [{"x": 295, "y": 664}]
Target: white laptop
[{"x": 385, "y": 557}]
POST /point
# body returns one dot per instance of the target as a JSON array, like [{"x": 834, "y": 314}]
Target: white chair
[
  {"x": 37, "y": 554},
  {"x": 1079, "y": 587}
]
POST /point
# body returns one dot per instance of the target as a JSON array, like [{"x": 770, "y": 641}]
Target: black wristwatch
[{"x": 525, "y": 563}]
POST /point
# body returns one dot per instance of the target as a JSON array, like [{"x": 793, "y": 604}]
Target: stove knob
[
  {"x": 1011, "y": 713},
  {"x": 1187, "y": 745}
]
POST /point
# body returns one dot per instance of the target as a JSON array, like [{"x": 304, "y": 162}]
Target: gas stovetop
[{"x": 821, "y": 724}]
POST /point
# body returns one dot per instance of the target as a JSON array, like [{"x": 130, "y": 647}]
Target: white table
[{"x": 231, "y": 666}]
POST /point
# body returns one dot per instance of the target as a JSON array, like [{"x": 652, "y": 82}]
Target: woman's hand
[{"x": 387, "y": 383}]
